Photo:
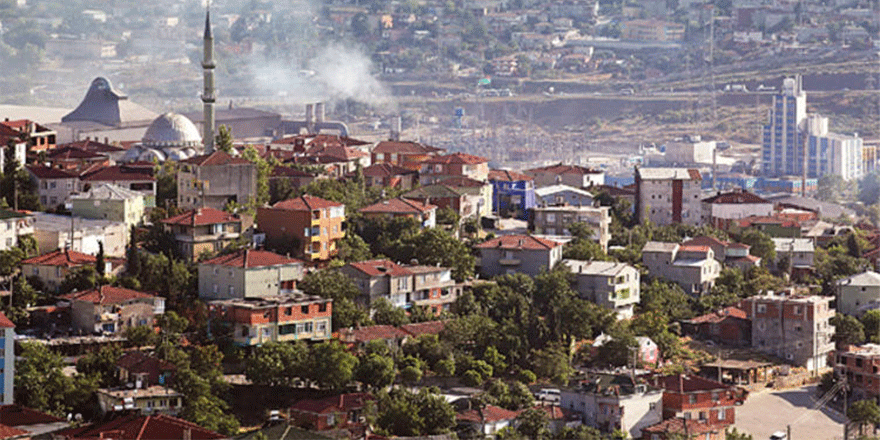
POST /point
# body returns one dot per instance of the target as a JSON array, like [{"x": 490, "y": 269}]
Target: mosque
[{"x": 105, "y": 114}]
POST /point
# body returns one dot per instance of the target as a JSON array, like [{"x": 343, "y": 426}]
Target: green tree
[
  {"x": 385, "y": 313},
  {"x": 264, "y": 171},
  {"x": 101, "y": 364},
  {"x": 41, "y": 384},
  {"x": 762, "y": 245},
  {"x": 353, "y": 248},
  {"x": 99, "y": 261},
  {"x": 403, "y": 413},
  {"x": 332, "y": 365},
  {"x": 375, "y": 371},
  {"x": 553, "y": 363},
  {"x": 329, "y": 284},
  {"x": 223, "y": 139},
  {"x": 140, "y": 336},
  {"x": 871, "y": 325},
  {"x": 410, "y": 375},
  {"x": 848, "y": 330},
  {"x": 79, "y": 279},
  {"x": 666, "y": 299},
  {"x": 864, "y": 412},
  {"x": 347, "y": 313},
  {"x": 733, "y": 434},
  {"x": 433, "y": 246},
  {"x": 276, "y": 363},
  {"x": 211, "y": 413},
  {"x": 166, "y": 185},
  {"x": 532, "y": 423}
]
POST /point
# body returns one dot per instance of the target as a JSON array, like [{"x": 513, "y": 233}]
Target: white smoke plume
[{"x": 346, "y": 73}]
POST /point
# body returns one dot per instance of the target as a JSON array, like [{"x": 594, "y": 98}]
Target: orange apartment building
[
  {"x": 290, "y": 317},
  {"x": 698, "y": 398},
  {"x": 409, "y": 155},
  {"x": 311, "y": 225},
  {"x": 861, "y": 367},
  {"x": 204, "y": 230}
]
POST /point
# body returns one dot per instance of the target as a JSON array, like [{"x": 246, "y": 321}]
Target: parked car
[{"x": 549, "y": 395}]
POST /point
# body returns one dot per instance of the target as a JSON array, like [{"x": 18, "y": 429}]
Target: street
[{"x": 770, "y": 411}]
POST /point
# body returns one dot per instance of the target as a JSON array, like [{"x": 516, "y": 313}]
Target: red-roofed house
[
  {"x": 33, "y": 422},
  {"x": 334, "y": 412},
  {"x": 698, "y": 398},
  {"x": 404, "y": 286},
  {"x": 728, "y": 326},
  {"x": 386, "y": 175},
  {"x": 289, "y": 317},
  {"x": 487, "y": 420},
  {"x": 405, "y": 154},
  {"x": 215, "y": 179},
  {"x": 205, "y": 230},
  {"x": 360, "y": 336},
  {"x": 133, "y": 426},
  {"x": 719, "y": 210},
  {"x": 248, "y": 273},
  {"x": 54, "y": 186},
  {"x": 136, "y": 176},
  {"x": 40, "y": 138},
  {"x": 143, "y": 370},
  {"x": 311, "y": 226},
  {"x": 424, "y": 213},
  {"x": 571, "y": 175},
  {"x": 677, "y": 428},
  {"x": 108, "y": 309},
  {"x": 438, "y": 168},
  {"x": 518, "y": 254},
  {"x": 53, "y": 267},
  {"x": 75, "y": 159}
]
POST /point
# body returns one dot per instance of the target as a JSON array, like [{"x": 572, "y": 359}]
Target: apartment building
[
  {"x": 438, "y": 168},
  {"x": 511, "y": 254},
  {"x": 794, "y": 328},
  {"x": 313, "y": 224},
  {"x": 409, "y": 155},
  {"x": 109, "y": 202},
  {"x": 291, "y": 317},
  {"x": 54, "y": 186},
  {"x": 858, "y": 293},
  {"x": 572, "y": 175},
  {"x": 513, "y": 194},
  {"x": 554, "y": 220},
  {"x": 669, "y": 195},
  {"x": 404, "y": 286},
  {"x": 109, "y": 310},
  {"x": 612, "y": 402},
  {"x": 7, "y": 360},
  {"x": 860, "y": 366},
  {"x": 608, "y": 284},
  {"x": 53, "y": 267},
  {"x": 720, "y": 209},
  {"x": 697, "y": 398},
  {"x": 204, "y": 230},
  {"x": 694, "y": 268},
  {"x": 14, "y": 224},
  {"x": 215, "y": 179},
  {"x": 248, "y": 273}
]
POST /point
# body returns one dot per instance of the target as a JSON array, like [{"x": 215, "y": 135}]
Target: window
[
  {"x": 216, "y": 288},
  {"x": 762, "y": 308},
  {"x": 796, "y": 310},
  {"x": 304, "y": 309},
  {"x": 231, "y": 291},
  {"x": 321, "y": 328},
  {"x": 322, "y": 307},
  {"x": 288, "y": 311},
  {"x": 244, "y": 332},
  {"x": 692, "y": 398}
]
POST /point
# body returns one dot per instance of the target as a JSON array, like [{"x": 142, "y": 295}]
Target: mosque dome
[{"x": 172, "y": 130}]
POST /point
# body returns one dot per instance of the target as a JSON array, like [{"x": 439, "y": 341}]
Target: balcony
[{"x": 509, "y": 261}]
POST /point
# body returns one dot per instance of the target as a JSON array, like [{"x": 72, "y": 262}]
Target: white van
[{"x": 549, "y": 395}]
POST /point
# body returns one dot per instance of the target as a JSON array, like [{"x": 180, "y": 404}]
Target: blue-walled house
[
  {"x": 513, "y": 194},
  {"x": 7, "y": 359}
]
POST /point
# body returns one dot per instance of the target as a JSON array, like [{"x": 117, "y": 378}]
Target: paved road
[{"x": 764, "y": 413}]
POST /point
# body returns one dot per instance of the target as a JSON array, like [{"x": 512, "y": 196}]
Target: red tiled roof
[
  {"x": 457, "y": 158},
  {"x": 336, "y": 151},
  {"x": 282, "y": 171},
  {"x": 738, "y": 246},
  {"x": 555, "y": 412},
  {"x": 705, "y": 240},
  {"x": 398, "y": 205},
  {"x": 688, "y": 384},
  {"x": 677, "y": 426},
  {"x": 10, "y": 432},
  {"x": 719, "y": 315},
  {"x": 59, "y": 257},
  {"x": 140, "y": 362},
  {"x": 372, "y": 333},
  {"x": 489, "y": 414},
  {"x": 461, "y": 181},
  {"x": 524, "y": 242},
  {"x": 201, "y": 217},
  {"x": 5, "y": 322},
  {"x": 424, "y": 328},
  {"x": 218, "y": 157},
  {"x": 251, "y": 258},
  {"x": 120, "y": 172},
  {"x": 340, "y": 403},
  {"x": 305, "y": 203},
  {"x": 735, "y": 197},
  {"x": 69, "y": 152},
  {"x": 694, "y": 248},
  {"x": 107, "y": 295},
  {"x": 565, "y": 169},
  {"x": 93, "y": 146},
  {"x": 138, "y": 427},
  {"x": 758, "y": 220},
  {"x": 376, "y": 268},
  {"x": 508, "y": 176},
  {"x": 747, "y": 259},
  {"x": 386, "y": 170},
  {"x": 17, "y": 415},
  {"x": 405, "y": 147},
  {"x": 44, "y": 172}
]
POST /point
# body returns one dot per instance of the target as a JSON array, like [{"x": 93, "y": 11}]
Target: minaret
[{"x": 208, "y": 97}]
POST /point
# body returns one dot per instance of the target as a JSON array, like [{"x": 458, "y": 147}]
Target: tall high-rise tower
[
  {"x": 784, "y": 136},
  {"x": 208, "y": 97}
]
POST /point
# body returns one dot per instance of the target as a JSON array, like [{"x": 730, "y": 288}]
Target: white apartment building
[
  {"x": 608, "y": 284},
  {"x": 669, "y": 195}
]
